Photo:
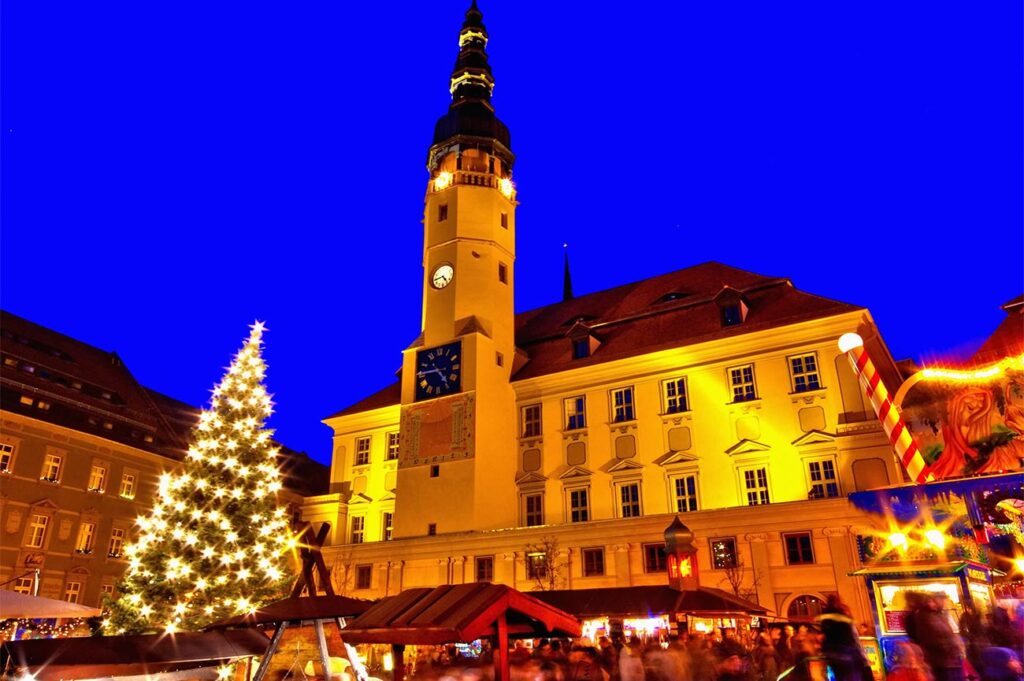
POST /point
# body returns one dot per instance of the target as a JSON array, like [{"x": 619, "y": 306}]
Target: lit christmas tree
[{"x": 215, "y": 543}]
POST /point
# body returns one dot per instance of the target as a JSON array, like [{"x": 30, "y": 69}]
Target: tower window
[
  {"x": 431, "y": 529},
  {"x": 504, "y": 220},
  {"x": 502, "y": 273},
  {"x": 442, "y": 212},
  {"x": 435, "y": 471},
  {"x": 499, "y": 359}
]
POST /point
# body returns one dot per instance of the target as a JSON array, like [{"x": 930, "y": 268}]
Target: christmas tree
[{"x": 215, "y": 543}]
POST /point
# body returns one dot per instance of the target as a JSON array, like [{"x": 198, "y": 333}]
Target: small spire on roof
[{"x": 566, "y": 277}]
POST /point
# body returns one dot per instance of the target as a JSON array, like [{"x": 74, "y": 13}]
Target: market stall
[{"x": 460, "y": 614}]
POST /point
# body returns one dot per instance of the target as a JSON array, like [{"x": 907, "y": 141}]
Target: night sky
[{"x": 173, "y": 171}]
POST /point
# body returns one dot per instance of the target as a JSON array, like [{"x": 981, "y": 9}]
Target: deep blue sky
[{"x": 173, "y": 170}]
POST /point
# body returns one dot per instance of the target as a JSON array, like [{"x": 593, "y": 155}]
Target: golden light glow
[
  {"x": 935, "y": 538},
  {"x": 1019, "y": 564},
  {"x": 849, "y": 341},
  {"x": 506, "y": 187},
  {"x": 982, "y": 374},
  {"x": 442, "y": 181},
  {"x": 898, "y": 541}
]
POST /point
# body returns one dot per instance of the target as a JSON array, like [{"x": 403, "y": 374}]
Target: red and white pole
[{"x": 906, "y": 449}]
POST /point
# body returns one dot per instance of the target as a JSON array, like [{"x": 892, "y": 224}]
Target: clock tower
[{"x": 458, "y": 416}]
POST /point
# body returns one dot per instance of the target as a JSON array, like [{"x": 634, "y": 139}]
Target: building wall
[{"x": 68, "y": 504}]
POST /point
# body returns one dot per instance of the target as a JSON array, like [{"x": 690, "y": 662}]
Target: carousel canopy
[
  {"x": 14, "y": 605},
  {"x": 297, "y": 609},
  {"x": 906, "y": 496},
  {"x": 111, "y": 656},
  {"x": 461, "y": 613},
  {"x": 644, "y": 601}
]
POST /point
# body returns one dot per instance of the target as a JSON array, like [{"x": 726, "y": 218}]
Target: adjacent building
[
  {"x": 82, "y": 444},
  {"x": 561, "y": 441}
]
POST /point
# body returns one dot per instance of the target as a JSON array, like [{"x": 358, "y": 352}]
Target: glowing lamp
[
  {"x": 1019, "y": 564},
  {"x": 442, "y": 181},
  {"x": 898, "y": 540},
  {"x": 849, "y": 341},
  {"x": 936, "y": 538},
  {"x": 506, "y": 187}
]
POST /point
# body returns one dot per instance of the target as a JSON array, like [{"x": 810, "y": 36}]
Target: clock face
[
  {"x": 442, "y": 276},
  {"x": 438, "y": 371}
]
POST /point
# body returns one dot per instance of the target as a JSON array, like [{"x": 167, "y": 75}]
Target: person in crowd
[
  {"x": 766, "y": 658},
  {"x": 609, "y": 658},
  {"x": 974, "y": 633},
  {"x": 584, "y": 665},
  {"x": 999, "y": 664},
  {"x": 520, "y": 653},
  {"x": 839, "y": 642},
  {"x": 784, "y": 647},
  {"x": 928, "y": 626},
  {"x": 702, "y": 665},
  {"x": 908, "y": 664},
  {"x": 631, "y": 666}
]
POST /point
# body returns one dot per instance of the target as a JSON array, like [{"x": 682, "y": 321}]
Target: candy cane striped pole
[{"x": 906, "y": 449}]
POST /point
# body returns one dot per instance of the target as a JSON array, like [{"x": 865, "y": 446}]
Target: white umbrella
[{"x": 14, "y": 605}]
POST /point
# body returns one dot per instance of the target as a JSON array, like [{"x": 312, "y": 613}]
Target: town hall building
[{"x": 585, "y": 426}]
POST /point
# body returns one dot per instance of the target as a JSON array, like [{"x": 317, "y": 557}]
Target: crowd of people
[{"x": 934, "y": 652}]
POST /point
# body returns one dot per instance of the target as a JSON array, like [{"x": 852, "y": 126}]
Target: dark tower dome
[
  {"x": 678, "y": 537},
  {"x": 470, "y": 121}
]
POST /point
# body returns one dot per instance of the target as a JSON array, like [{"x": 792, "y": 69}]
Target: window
[
  {"x": 358, "y": 529},
  {"x": 674, "y": 393},
  {"x": 98, "y": 478},
  {"x": 741, "y": 380},
  {"x": 51, "y": 468},
  {"x": 364, "y": 576},
  {"x": 128, "y": 485},
  {"x": 533, "y": 506},
  {"x": 72, "y": 592},
  {"x": 723, "y": 553},
  {"x": 504, "y": 220},
  {"x": 732, "y": 315},
  {"x": 431, "y": 529},
  {"x": 629, "y": 500},
  {"x": 86, "y": 536},
  {"x": 593, "y": 562},
  {"x": 537, "y": 565},
  {"x": 6, "y": 458},
  {"x": 106, "y": 592},
  {"x": 362, "y": 451},
  {"x": 24, "y": 585},
  {"x": 435, "y": 471},
  {"x": 805, "y": 607},
  {"x": 581, "y": 348},
  {"x": 37, "y": 531},
  {"x": 531, "y": 420},
  {"x": 393, "y": 440},
  {"x": 799, "y": 548},
  {"x": 824, "y": 483},
  {"x": 442, "y": 212},
  {"x": 502, "y": 273},
  {"x": 25, "y": 399},
  {"x": 45, "y": 406},
  {"x": 575, "y": 413},
  {"x": 387, "y": 525},
  {"x": 484, "y": 568},
  {"x": 755, "y": 484},
  {"x": 685, "y": 491},
  {"x": 654, "y": 558},
  {"x": 116, "y": 546},
  {"x": 622, "y": 405},
  {"x": 499, "y": 359},
  {"x": 804, "y": 370},
  {"x": 579, "y": 505}
]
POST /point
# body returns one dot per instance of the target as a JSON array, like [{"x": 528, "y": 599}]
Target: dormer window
[
  {"x": 732, "y": 306},
  {"x": 581, "y": 348}
]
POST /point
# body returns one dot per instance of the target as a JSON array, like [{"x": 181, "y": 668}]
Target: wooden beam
[
  {"x": 398, "y": 655},
  {"x": 501, "y": 662},
  {"x": 275, "y": 643},
  {"x": 321, "y": 644}
]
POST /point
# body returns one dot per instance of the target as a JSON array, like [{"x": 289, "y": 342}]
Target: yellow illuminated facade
[{"x": 585, "y": 426}]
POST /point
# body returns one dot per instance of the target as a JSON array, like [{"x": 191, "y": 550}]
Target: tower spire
[
  {"x": 566, "y": 277},
  {"x": 471, "y": 77}
]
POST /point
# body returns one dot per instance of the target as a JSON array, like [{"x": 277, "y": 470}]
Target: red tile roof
[
  {"x": 1008, "y": 338},
  {"x": 645, "y": 601},
  {"x": 667, "y": 311}
]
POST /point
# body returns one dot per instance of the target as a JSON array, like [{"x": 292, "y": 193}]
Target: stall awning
[
  {"x": 14, "y": 605},
  {"x": 86, "y": 658},
  {"x": 922, "y": 569},
  {"x": 297, "y": 609},
  {"x": 460, "y": 613},
  {"x": 878, "y": 500},
  {"x": 647, "y": 601}
]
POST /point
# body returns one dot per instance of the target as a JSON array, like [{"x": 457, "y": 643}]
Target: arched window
[{"x": 805, "y": 607}]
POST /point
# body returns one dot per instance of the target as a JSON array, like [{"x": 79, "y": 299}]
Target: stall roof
[
  {"x": 85, "y": 658},
  {"x": 464, "y": 612},
  {"x": 297, "y": 609},
  {"x": 647, "y": 600},
  {"x": 878, "y": 500},
  {"x": 900, "y": 569}
]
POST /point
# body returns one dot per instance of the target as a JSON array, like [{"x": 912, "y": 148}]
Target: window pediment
[
  {"x": 747, "y": 447},
  {"x": 624, "y": 467},
  {"x": 45, "y": 505},
  {"x": 575, "y": 473},
  {"x": 814, "y": 437},
  {"x": 358, "y": 498},
  {"x": 671, "y": 458}
]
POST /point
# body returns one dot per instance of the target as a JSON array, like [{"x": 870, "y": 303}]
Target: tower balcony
[{"x": 445, "y": 179}]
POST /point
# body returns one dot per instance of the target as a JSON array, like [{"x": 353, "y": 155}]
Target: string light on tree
[{"x": 215, "y": 543}]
